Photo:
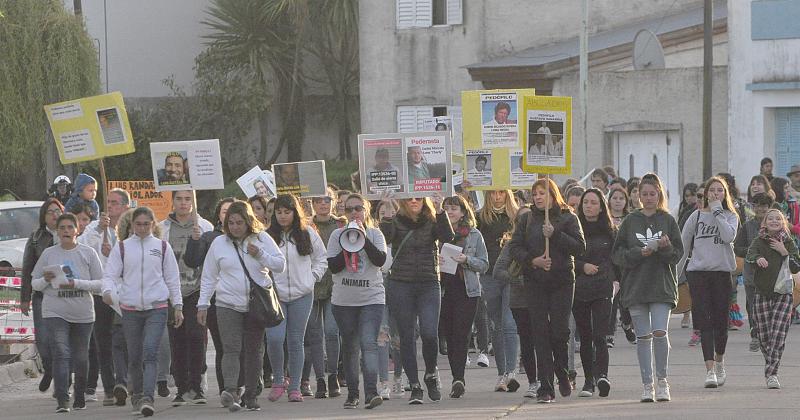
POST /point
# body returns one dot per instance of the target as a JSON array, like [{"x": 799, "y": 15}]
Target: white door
[{"x": 641, "y": 152}]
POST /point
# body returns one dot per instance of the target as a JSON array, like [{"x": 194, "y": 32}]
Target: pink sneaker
[
  {"x": 276, "y": 393},
  {"x": 295, "y": 396}
]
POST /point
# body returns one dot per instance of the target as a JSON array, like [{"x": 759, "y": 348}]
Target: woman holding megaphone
[{"x": 356, "y": 254}]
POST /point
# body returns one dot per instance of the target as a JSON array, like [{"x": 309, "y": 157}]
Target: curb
[{"x": 15, "y": 372}]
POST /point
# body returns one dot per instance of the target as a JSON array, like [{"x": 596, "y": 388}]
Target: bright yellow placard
[
  {"x": 547, "y": 134},
  {"x": 492, "y": 138},
  {"x": 90, "y": 128}
]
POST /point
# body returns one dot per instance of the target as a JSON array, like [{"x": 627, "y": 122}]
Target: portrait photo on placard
[
  {"x": 111, "y": 125},
  {"x": 546, "y": 136},
  {"x": 383, "y": 162},
  {"x": 426, "y": 159},
  {"x": 175, "y": 169},
  {"x": 499, "y": 123}
]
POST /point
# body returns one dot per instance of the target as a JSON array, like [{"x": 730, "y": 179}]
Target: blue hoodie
[{"x": 80, "y": 182}]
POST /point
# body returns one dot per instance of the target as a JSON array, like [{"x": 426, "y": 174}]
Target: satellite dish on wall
[{"x": 647, "y": 51}]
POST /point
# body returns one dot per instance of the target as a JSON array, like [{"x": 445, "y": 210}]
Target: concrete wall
[
  {"x": 764, "y": 61},
  {"x": 424, "y": 66},
  {"x": 672, "y": 96}
]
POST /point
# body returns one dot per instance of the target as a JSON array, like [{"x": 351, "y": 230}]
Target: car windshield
[{"x": 18, "y": 223}]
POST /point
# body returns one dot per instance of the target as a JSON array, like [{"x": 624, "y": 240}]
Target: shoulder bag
[{"x": 264, "y": 310}]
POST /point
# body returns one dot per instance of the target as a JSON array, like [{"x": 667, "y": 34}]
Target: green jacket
[
  {"x": 650, "y": 279},
  {"x": 324, "y": 287},
  {"x": 765, "y": 278}
]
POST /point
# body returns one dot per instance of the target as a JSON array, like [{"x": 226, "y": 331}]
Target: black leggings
[
  {"x": 522, "y": 318},
  {"x": 590, "y": 319},
  {"x": 455, "y": 322},
  {"x": 549, "y": 308},
  {"x": 711, "y": 292}
]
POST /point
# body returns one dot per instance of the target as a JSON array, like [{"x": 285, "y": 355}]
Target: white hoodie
[
  {"x": 223, "y": 273},
  {"x": 140, "y": 283},
  {"x": 301, "y": 271}
]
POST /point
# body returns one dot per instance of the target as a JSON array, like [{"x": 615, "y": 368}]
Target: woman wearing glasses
[
  {"x": 412, "y": 289},
  {"x": 358, "y": 298}
]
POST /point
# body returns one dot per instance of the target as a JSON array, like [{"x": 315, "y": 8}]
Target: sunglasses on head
[{"x": 358, "y": 209}]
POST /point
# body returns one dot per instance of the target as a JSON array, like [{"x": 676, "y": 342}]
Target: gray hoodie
[
  {"x": 178, "y": 234},
  {"x": 714, "y": 232}
]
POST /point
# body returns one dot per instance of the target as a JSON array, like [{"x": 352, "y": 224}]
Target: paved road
[{"x": 743, "y": 397}]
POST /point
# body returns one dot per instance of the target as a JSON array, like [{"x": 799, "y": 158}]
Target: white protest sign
[
  {"x": 187, "y": 165},
  {"x": 257, "y": 182}
]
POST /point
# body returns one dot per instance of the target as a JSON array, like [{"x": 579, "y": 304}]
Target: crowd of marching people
[{"x": 541, "y": 274}]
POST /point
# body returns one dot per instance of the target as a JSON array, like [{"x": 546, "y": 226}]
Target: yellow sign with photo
[
  {"x": 547, "y": 134},
  {"x": 492, "y": 139},
  {"x": 90, "y": 128}
]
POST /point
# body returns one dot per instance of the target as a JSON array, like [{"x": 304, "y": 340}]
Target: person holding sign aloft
[
  {"x": 413, "y": 289},
  {"x": 544, "y": 244}
]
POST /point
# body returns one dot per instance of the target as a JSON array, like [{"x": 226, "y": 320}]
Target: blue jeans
[
  {"x": 69, "y": 345},
  {"x": 119, "y": 352},
  {"x": 42, "y": 346},
  {"x": 384, "y": 347},
  {"x": 359, "y": 326},
  {"x": 321, "y": 330},
  {"x": 649, "y": 318},
  {"x": 505, "y": 340},
  {"x": 407, "y": 301},
  {"x": 292, "y": 330},
  {"x": 143, "y": 331}
]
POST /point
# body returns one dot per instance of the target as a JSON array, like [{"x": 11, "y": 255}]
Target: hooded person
[{"x": 85, "y": 191}]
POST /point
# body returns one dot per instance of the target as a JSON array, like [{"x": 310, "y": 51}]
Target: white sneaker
[
  {"x": 711, "y": 379},
  {"x": 719, "y": 370},
  {"x": 772, "y": 382},
  {"x": 532, "y": 388},
  {"x": 648, "y": 395},
  {"x": 662, "y": 391},
  {"x": 397, "y": 388},
  {"x": 385, "y": 390},
  {"x": 483, "y": 360},
  {"x": 501, "y": 384}
]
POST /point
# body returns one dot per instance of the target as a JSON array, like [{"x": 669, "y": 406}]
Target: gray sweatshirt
[
  {"x": 82, "y": 265},
  {"x": 713, "y": 241}
]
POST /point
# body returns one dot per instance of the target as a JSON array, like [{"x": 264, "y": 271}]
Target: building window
[
  {"x": 427, "y": 13},
  {"x": 787, "y": 139}
]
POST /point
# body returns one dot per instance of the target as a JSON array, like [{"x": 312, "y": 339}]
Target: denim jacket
[{"x": 477, "y": 262}]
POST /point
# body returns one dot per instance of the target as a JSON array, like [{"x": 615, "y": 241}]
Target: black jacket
[
  {"x": 196, "y": 250},
  {"x": 492, "y": 234},
  {"x": 418, "y": 260},
  {"x": 37, "y": 243},
  {"x": 566, "y": 242},
  {"x": 599, "y": 243}
]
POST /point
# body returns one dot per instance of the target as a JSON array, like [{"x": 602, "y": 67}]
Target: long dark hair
[
  {"x": 604, "y": 218},
  {"x": 298, "y": 233},
  {"x": 691, "y": 186},
  {"x": 218, "y": 208},
  {"x": 778, "y": 184},
  {"x": 761, "y": 179}
]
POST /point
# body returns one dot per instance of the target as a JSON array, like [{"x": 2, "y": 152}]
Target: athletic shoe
[
  {"x": 322, "y": 389},
  {"x": 609, "y": 344},
  {"x": 545, "y": 399},
  {"x": 44, "y": 385},
  {"x": 372, "y": 401},
  {"x": 432, "y": 384},
  {"x": 178, "y": 400},
  {"x": 120, "y": 395},
  {"x": 604, "y": 386},
  {"x": 511, "y": 381},
  {"x": 719, "y": 369},
  {"x": 662, "y": 391},
  {"x": 532, "y": 388},
  {"x": 565, "y": 388},
  {"x": 90, "y": 394},
  {"x": 163, "y": 390},
  {"x": 295, "y": 396},
  {"x": 147, "y": 409},
  {"x": 695, "y": 339},
  {"x": 230, "y": 401},
  {"x": 351, "y": 402},
  {"x": 483, "y": 360},
  {"x": 685, "y": 322},
  {"x": 63, "y": 407},
  {"x": 385, "y": 390},
  {"x": 305, "y": 389},
  {"x": 630, "y": 335},
  {"x": 648, "y": 395},
  {"x": 251, "y": 404},
  {"x": 711, "y": 379},
  {"x": 397, "y": 388},
  {"x": 333, "y": 386},
  {"x": 268, "y": 381},
  {"x": 500, "y": 386},
  {"x": 457, "y": 391},
  {"x": 588, "y": 389},
  {"x": 416, "y": 395},
  {"x": 772, "y": 382},
  {"x": 196, "y": 397},
  {"x": 755, "y": 345},
  {"x": 108, "y": 400},
  {"x": 79, "y": 404},
  {"x": 277, "y": 392}
]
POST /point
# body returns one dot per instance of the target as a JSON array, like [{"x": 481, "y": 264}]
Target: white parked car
[{"x": 18, "y": 219}]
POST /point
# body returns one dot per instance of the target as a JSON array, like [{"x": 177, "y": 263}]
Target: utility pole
[
  {"x": 708, "y": 61},
  {"x": 583, "y": 77}
]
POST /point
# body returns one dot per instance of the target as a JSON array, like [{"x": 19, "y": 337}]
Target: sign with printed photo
[
  {"x": 90, "y": 128},
  {"x": 257, "y": 182},
  {"x": 408, "y": 164},
  {"x": 187, "y": 165},
  {"x": 548, "y": 140},
  {"x": 303, "y": 179},
  {"x": 447, "y": 123}
]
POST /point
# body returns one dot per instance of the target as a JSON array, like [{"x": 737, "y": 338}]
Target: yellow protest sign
[
  {"x": 90, "y": 128},
  {"x": 547, "y": 129},
  {"x": 492, "y": 138},
  {"x": 144, "y": 194}
]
